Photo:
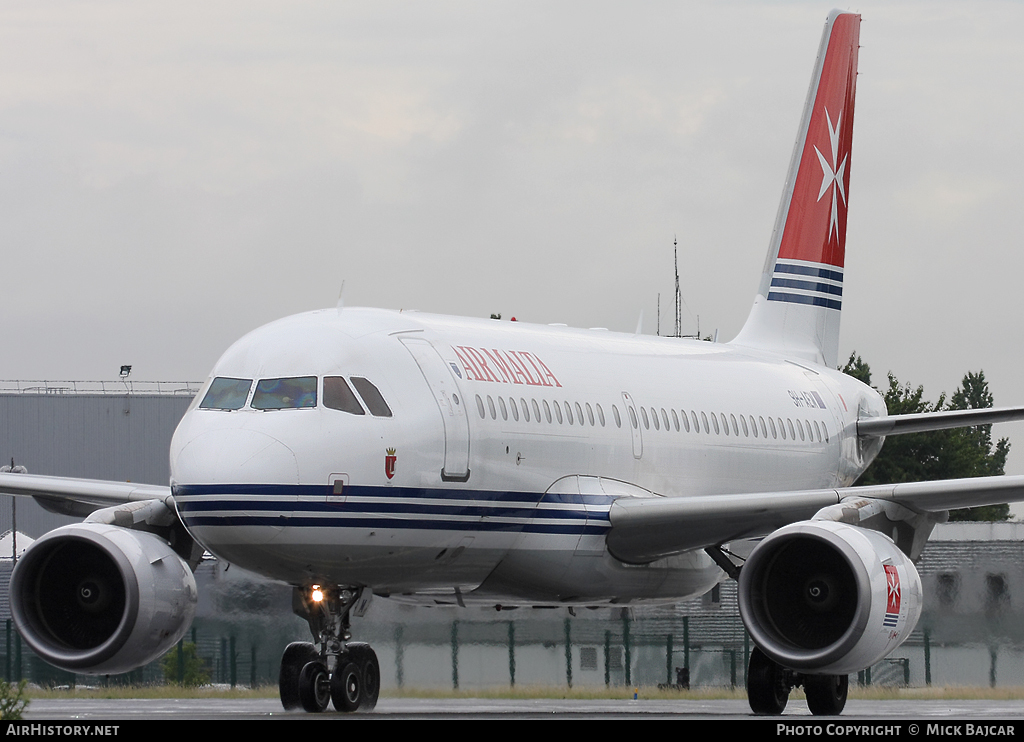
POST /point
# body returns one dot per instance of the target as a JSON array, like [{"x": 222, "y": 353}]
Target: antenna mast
[{"x": 679, "y": 310}]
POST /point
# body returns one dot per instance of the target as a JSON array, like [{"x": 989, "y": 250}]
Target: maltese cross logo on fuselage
[{"x": 832, "y": 174}]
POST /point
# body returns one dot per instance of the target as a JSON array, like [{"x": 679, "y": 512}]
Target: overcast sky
[{"x": 173, "y": 175}]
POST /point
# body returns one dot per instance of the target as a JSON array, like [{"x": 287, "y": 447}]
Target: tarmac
[{"x": 147, "y": 710}]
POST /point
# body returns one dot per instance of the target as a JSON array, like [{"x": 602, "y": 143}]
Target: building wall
[{"x": 119, "y": 437}]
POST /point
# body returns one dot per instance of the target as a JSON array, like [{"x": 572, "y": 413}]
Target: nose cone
[
  {"x": 231, "y": 489},
  {"x": 234, "y": 456}
]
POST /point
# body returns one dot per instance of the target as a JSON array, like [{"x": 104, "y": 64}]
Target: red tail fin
[{"x": 798, "y": 303}]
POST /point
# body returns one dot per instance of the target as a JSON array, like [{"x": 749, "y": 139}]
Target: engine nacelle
[
  {"x": 828, "y": 598},
  {"x": 98, "y": 599}
]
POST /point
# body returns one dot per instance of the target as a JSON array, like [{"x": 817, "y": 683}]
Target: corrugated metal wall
[{"x": 121, "y": 437}]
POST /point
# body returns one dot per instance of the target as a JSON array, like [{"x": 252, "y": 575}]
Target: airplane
[{"x": 353, "y": 453}]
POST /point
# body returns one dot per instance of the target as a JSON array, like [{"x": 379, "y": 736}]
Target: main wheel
[
  {"x": 364, "y": 656},
  {"x": 314, "y": 687},
  {"x": 826, "y": 694},
  {"x": 296, "y": 656},
  {"x": 767, "y": 685},
  {"x": 347, "y": 687}
]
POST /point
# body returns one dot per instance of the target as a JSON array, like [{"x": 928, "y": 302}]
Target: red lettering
[
  {"x": 483, "y": 364},
  {"x": 547, "y": 373},
  {"x": 467, "y": 364},
  {"x": 530, "y": 357},
  {"x": 518, "y": 354},
  {"x": 500, "y": 365},
  {"x": 514, "y": 365},
  {"x": 506, "y": 366}
]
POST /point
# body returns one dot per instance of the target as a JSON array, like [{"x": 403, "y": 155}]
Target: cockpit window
[
  {"x": 226, "y": 394},
  {"x": 371, "y": 396},
  {"x": 285, "y": 394},
  {"x": 338, "y": 396}
]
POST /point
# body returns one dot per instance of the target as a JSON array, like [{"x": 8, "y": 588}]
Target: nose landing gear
[{"x": 339, "y": 671}]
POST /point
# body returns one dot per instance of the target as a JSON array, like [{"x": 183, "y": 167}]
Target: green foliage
[
  {"x": 12, "y": 700},
  {"x": 195, "y": 672},
  {"x": 938, "y": 454},
  {"x": 859, "y": 370}
]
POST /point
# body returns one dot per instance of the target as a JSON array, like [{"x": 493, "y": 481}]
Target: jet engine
[
  {"x": 823, "y": 597},
  {"x": 97, "y": 599}
]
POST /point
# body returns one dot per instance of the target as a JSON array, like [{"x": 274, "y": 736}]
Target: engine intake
[
  {"x": 827, "y": 597},
  {"x": 98, "y": 599}
]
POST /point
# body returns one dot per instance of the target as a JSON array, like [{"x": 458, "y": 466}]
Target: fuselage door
[
  {"x": 442, "y": 383},
  {"x": 634, "y": 425}
]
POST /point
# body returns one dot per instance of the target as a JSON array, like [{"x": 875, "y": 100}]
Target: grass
[{"x": 877, "y": 693}]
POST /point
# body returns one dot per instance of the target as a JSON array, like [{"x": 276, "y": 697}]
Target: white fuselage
[{"x": 489, "y": 474}]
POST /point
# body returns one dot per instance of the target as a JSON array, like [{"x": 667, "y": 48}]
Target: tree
[
  {"x": 185, "y": 663},
  {"x": 939, "y": 454}
]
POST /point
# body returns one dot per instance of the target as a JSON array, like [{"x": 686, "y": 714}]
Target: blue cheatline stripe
[
  {"x": 818, "y": 301},
  {"x": 278, "y": 506},
  {"x": 358, "y": 490},
  {"x": 362, "y": 506},
  {"x": 808, "y": 270},
  {"x": 407, "y": 524},
  {"x": 792, "y": 283}
]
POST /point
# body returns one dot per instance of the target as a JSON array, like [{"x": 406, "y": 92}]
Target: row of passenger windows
[
  {"x": 720, "y": 423},
  {"x": 296, "y": 392}
]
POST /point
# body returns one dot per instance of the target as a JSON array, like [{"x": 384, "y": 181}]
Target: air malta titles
[{"x": 504, "y": 366}]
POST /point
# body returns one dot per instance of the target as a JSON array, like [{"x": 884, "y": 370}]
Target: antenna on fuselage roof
[
  {"x": 341, "y": 299},
  {"x": 640, "y": 324}
]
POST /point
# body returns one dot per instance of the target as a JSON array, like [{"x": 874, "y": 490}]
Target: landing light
[{"x": 317, "y": 595}]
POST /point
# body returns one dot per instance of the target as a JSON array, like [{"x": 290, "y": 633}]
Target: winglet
[{"x": 797, "y": 307}]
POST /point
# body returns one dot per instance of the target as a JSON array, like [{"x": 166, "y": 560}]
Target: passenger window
[
  {"x": 372, "y": 397},
  {"x": 515, "y": 410},
  {"x": 615, "y": 413},
  {"x": 714, "y": 419},
  {"x": 504, "y": 409},
  {"x": 632, "y": 418},
  {"x": 746, "y": 432},
  {"x": 479, "y": 405},
  {"x": 338, "y": 396},
  {"x": 579, "y": 413},
  {"x": 547, "y": 411},
  {"x": 285, "y": 394},
  {"x": 558, "y": 412},
  {"x": 771, "y": 422},
  {"x": 707, "y": 427},
  {"x": 600, "y": 415},
  {"x": 792, "y": 433},
  {"x": 568, "y": 413},
  {"x": 664, "y": 417},
  {"x": 686, "y": 421},
  {"x": 590, "y": 413},
  {"x": 536, "y": 410},
  {"x": 490, "y": 407},
  {"x": 647, "y": 421},
  {"x": 226, "y": 394}
]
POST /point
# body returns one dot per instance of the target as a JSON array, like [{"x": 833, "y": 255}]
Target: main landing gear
[
  {"x": 337, "y": 671},
  {"x": 769, "y": 684}
]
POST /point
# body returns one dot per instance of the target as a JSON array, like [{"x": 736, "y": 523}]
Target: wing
[
  {"x": 647, "y": 528},
  {"x": 923, "y": 421},
  {"x": 79, "y": 497}
]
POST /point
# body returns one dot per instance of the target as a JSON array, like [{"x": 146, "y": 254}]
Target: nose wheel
[{"x": 341, "y": 672}]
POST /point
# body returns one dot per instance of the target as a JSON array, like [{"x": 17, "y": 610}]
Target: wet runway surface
[{"x": 468, "y": 708}]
